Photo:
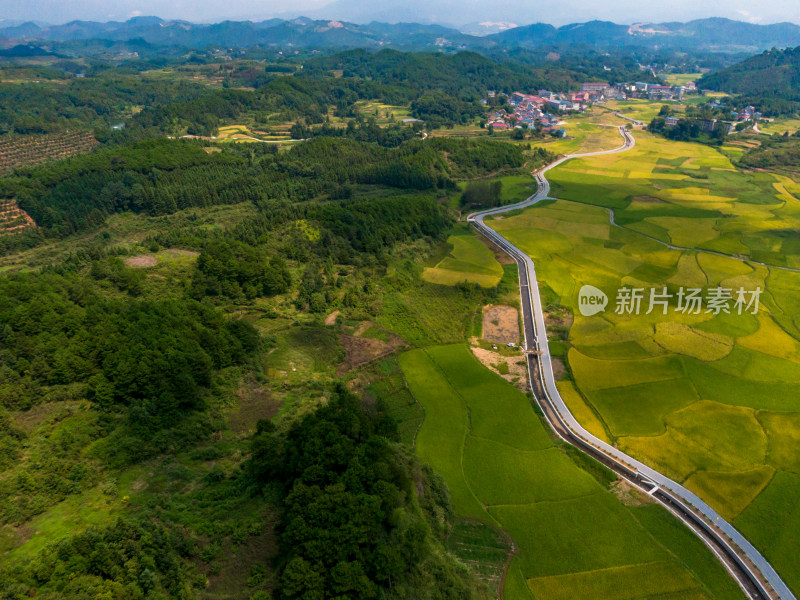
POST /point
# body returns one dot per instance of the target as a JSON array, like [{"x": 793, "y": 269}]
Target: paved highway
[{"x": 752, "y": 571}]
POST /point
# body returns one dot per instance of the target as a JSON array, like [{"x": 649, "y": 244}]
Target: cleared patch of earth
[
  {"x": 558, "y": 318},
  {"x": 500, "y": 324},
  {"x": 143, "y": 261},
  {"x": 499, "y": 255},
  {"x": 558, "y": 369},
  {"x": 29, "y": 420},
  {"x": 514, "y": 371},
  {"x": 177, "y": 252},
  {"x": 330, "y": 320},
  {"x": 629, "y": 495},
  {"x": 648, "y": 200},
  {"x": 362, "y": 350}
]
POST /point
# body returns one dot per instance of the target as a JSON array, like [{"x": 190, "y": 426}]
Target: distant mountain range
[
  {"x": 300, "y": 32},
  {"x": 716, "y": 34}
]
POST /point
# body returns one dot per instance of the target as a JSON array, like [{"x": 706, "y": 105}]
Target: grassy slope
[{"x": 469, "y": 261}]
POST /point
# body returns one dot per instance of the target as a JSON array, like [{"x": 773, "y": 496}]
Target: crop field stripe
[
  {"x": 467, "y": 430},
  {"x": 432, "y": 390}
]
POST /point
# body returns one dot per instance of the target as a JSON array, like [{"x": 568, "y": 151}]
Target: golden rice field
[{"x": 712, "y": 400}]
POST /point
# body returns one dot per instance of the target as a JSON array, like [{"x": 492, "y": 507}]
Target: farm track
[
  {"x": 754, "y": 574},
  {"x": 612, "y": 220}
]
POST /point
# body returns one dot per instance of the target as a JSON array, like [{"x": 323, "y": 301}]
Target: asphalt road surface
[{"x": 744, "y": 562}]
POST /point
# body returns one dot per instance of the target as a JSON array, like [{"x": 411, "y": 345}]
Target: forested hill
[
  {"x": 466, "y": 74},
  {"x": 775, "y": 73}
]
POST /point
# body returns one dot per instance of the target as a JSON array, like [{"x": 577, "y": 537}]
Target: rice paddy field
[
  {"x": 589, "y": 132},
  {"x": 780, "y": 125},
  {"x": 682, "y": 78},
  {"x": 384, "y": 114},
  {"x": 243, "y": 134},
  {"x": 470, "y": 261},
  {"x": 640, "y": 109},
  {"x": 712, "y": 400},
  {"x": 503, "y": 468}
]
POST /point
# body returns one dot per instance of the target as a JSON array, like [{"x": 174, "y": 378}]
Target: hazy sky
[{"x": 454, "y": 12}]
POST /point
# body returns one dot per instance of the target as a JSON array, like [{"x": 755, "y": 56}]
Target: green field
[
  {"x": 710, "y": 400},
  {"x": 779, "y": 125},
  {"x": 595, "y": 130},
  {"x": 469, "y": 261},
  {"x": 639, "y": 109},
  {"x": 502, "y": 467},
  {"x": 384, "y": 114},
  {"x": 682, "y": 78}
]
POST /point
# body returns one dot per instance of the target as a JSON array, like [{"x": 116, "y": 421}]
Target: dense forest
[
  {"x": 158, "y": 177},
  {"x": 777, "y": 152},
  {"x": 362, "y": 518}
]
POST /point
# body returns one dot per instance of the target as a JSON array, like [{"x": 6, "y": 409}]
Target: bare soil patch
[
  {"x": 143, "y": 261},
  {"x": 559, "y": 370},
  {"x": 500, "y": 324},
  {"x": 515, "y": 365},
  {"x": 330, "y": 320},
  {"x": 176, "y": 252},
  {"x": 362, "y": 350},
  {"x": 13, "y": 219},
  {"x": 629, "y": 495},
  {"x": 362, "y": 327},
  {"x": 236, "y": 562},
  {"x": 32, "y": 418},
  {"x": 558, "y": 318},
  {"x": 648, "y": 200}
]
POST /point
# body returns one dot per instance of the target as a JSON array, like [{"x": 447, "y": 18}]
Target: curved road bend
[{"x": 752, "y": 571}]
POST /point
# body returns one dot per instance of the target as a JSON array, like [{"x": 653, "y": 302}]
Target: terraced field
[
  {"x": 21, "y": 151},
  {"x": 711, "y": 400},
  {"x": 469, "y": 261},
  {"x": 13, "y": 219},
  {"x": 483, "y": 436},
  {"x": 384, "y": 114}
]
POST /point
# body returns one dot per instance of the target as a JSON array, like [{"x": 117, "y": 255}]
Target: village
[{"x": 543, "y": 110}]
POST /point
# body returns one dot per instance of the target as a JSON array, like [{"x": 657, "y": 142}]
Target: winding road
[{"x": 744, "y": 562}]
